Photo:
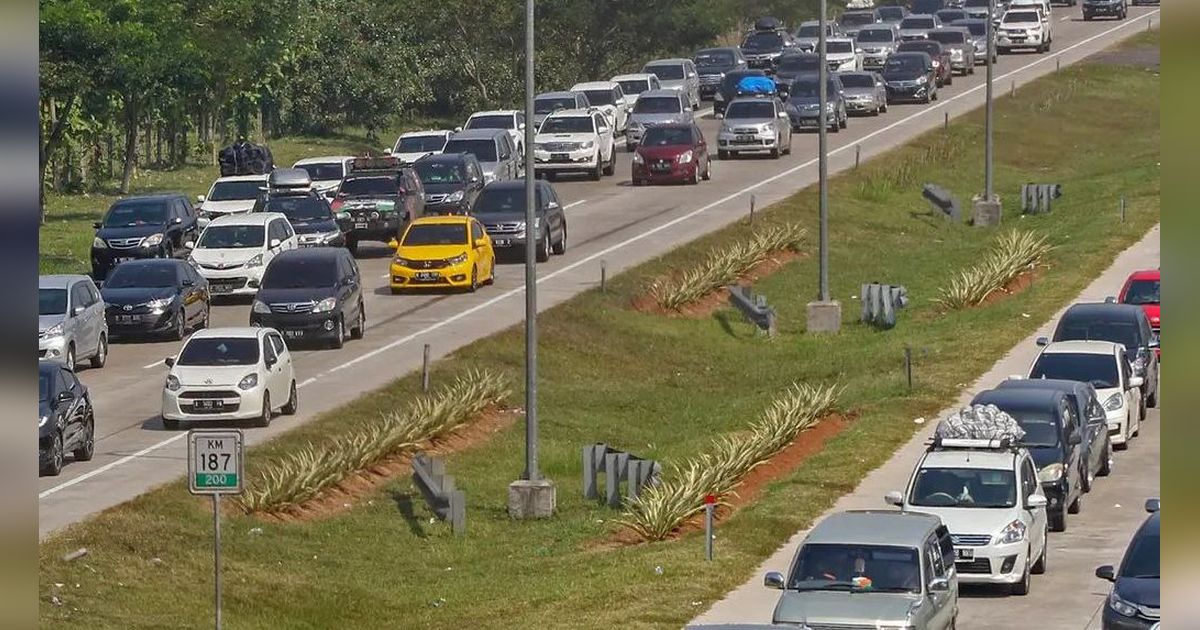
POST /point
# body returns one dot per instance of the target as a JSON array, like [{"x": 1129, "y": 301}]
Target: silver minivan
[
  {"x": 494, "y": 149},
  {"x": 71, "y": 322},
  {"x": 656, "y": 107},
  {"x": 898, "y": 565},
  {"x": 677, "y": 74}
]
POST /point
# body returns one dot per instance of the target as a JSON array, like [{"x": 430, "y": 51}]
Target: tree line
[{"x": 128, "y": 84}]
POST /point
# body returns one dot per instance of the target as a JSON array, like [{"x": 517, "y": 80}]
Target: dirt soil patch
[
  {"x": 1013, "y": 287},
  {"x": 348, "y": 492},
  {"x": 704, "y": 306}
]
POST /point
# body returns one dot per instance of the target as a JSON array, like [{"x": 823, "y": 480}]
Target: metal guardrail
[
  {"x": 1036, "y": 198},
  {"x": 943, "y": 201},
  {"x": 617, "y": 466},
  {"x": 880, "y": 302},
  {"x": 754, "y": 308},
  {"x": 448, "y": 503}
]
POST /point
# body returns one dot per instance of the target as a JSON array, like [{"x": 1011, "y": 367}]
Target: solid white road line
[
  {"x": 512, "y": 292},
  {"x": 155, "y": 364}
]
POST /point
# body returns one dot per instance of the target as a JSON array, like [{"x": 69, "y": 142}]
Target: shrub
[{"x": 1013, "y": 254}]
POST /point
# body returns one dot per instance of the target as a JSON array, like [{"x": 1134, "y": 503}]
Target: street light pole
[
  {"x": 987, "y": 146},
  {"x": 531, "y": 455},
  {"x": 822, "y": 149}
]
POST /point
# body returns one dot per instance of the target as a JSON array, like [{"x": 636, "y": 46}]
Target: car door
[
  {"x": 81, "y": 318},
  {"x": 274, "y": 367},
  {"x": 197, "y": 286},
  {"x": 485, "y": 257},
  {"x": 96, "y": 308},
  {"x": 700, "y": 148},
  {"x": 604, "y": 137},
  {"x": 1072, "y": 432},
  {"x": 507, "y": 168},
  {"x": 941, "y": 611},
  {"x": 1096, "y": 429},
  {"x": 348, "y": 289},
  {"x": 1145, "y": 337},
  {"x": 287, "y": 373},
  {"x": 554, "y": 212},
  {"x": 693, "y": 84},
  {"x": 1133, "y": 395},
  {"x": 1037, "y": 516}
]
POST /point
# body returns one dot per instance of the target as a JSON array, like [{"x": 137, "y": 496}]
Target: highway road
[
  {"x": 1068, "y": 595},
  {"x": 609, "y": 221}
]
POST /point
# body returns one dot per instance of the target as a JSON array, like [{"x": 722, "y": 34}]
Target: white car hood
[
  {"x": 232, "y": 256},
  {"x": 971, "y": 520},
  {"x": 841, "y": 57},
  {"x": 1024, "y": 25},
  {"x": 201, "y": 375},
  {"x": 227, "y": 207}
]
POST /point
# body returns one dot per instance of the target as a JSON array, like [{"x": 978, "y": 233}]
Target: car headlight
[
  {"x": 586, "y": 145},
  {"x": 325, "y": 305},
  {"x": 53, "y": 331},
  {"x": 1115, "y": 402},
  {"x": 633, "y": 124},
  {"x": 454, "y": 197},
  {"x": 1121, "y": 606},
  {"x": 160, "y": 304},
  {"x": 718, "y": 96},
  {"x": 260, "y": 307},
  {"x": 152, "y": 240},
  {"x": 685, "y": 157},
  {"x": 172, "y": 382},
  {"x": 99, "y": 243},
  {"x": 922, "y": 79},
  {"x": 638, "y": 159},
  {"x": 403, "y": 262},
  {"x": 42, "y": 421},
  {"x": 462, "y": 258},
  {"x": 255, "y": 262},
  {"x": 249, "y": 381},
  {"x": 329, "y": 236},
  {"x": 1051, "y": 472},
  {"x": 1013, "y": 532}
]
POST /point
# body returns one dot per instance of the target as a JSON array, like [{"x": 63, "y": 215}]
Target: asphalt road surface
[
  {"x": 1068, "y": 596},
  {"x": 609, "y": 221}
]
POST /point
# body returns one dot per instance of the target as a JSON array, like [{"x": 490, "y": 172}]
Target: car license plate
[
  {"x": 222, "y": 287},
  {"x": 128, "y": 319},
  {"x": 293, "y": 334},
  {"x": 361, "y": 225},
  {"x": 745, "y": 138},
  {"x": 559, "y": 157},
  {"x": 501, "y": 242},
  {"x": 965, "y": 554},
  {"x": 121, "y": 259},
  {"x": 209, "y": 404},
  {"x": 427, "y": 276}
]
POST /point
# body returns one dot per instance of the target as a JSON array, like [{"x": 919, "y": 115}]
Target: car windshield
[
  {"x": 876, "y": 35},
  {"x": 236, "y": 191},
  {"x": 810, "y": 87},
  {"x": 917, "y": 23},
  {"x": 376, "y": 185},
  {"x": 548, "y": 104},
  {"x": 1142, "y": 292},
  {"x": 300, "y": 209},
  {"x": 750, "y": 109},
  {"x": 838, "y": 567},
  {"x": 809, "y": 31},
  {"x": 495, "y": 200},
  {"x": 324, "y": 171},
  {"x": 421, "y": 144},
  {"x": 131, "y": 214},
  {"x": 891, "y": 13},
  {"x": 839, "y": 47},
  {"x": 439, "y": 172},
  {"x": 948, "y": 37},
  {"x": 155, "y": 275},
  {"x": 658, "y": 105},
  {"x": 300, "y": 273},
  {"x": 1098, "y": 369},
  {"x": 856, "y": 19},
  {"x": 483, "y": 150},
  {"x": 1041, "y": 428},
  {"x": 1020, "y": 17},
  {"x": 800, "y": 63},
  {"x": 964, "y": 487},
  {"x": 667, "y": 136},
  {"x": 858, "y": 80},
  {"x": 666, "y": 71},
  {"x": 491, "y": 122},
  {"x": 763, "y": 41},
  {"x": 713, "y": 58},
  {"x": 904, "y": 64},
  {"x": 977, "y": 3},
  {"x": 44, "y": 379},
  {"x": 933, "y": 49},
  {"x": 52, "y": 301},
  {"x": 1125, "y": 332},
  {"x": 567, "y": 124},
  {"x": 215, "y": 351},
  {"x": 977, "y": 29},
  {"x": 232, "y": 237},
  {"x": 1143, "y": 558},
  {"x": 600, "y": 97},
  {"x": 634, "y": 86},
  {"x": 437, "y": 233},
  {"x": 927, "y": 6}
]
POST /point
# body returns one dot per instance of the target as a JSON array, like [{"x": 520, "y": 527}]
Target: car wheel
[
  {"x": 339, "y": 336},
  {"x": 1152, "y": 399},
  {"x": 474, "y": 286},
  {"x": 1022, "y": 587},
  {"x": 695, "y": 179},
  {"x": 845, "y": 120},
  {"x": 170, "y": 424},
  {"x": 101, "y": 357},
  {"x": 560, "y": 248},
  {"x": 598, "y": 172},
  {"x": 1076, "y": 505},
  {"x": 352, "y": 245},
  {"x": 1105, "y": 460},
  {"x": 611, "y": 167},
  {"x": 934, "y": 96},
  {"x": 543, "y": 249},
  {"x": 180, "y": 328},
  {"x": 1058, "y": 519},
  {"x": 775, "y": 152},
  {"x": 883, "y": 107},
  {"x": 949, "y": 79},
  {"x": 54, "y": 459},
  {"x": 87, "y": 443},
  {"x": 70, "y": 359},
  {"x": 722, "y": 154},
  {"x": 360, "y": 326},
  {"x": 708, "y": 166},
  {"x": 205, "y": 318},
  {"x": 1039, "y": 567},
  {"x": 264, "y": 418},
  {"x": 1087, "y": 17},
  {"x": 293, "y": 402},
  {"x": 1085, "y": 476},
  {"x": 491, "y": 279}
]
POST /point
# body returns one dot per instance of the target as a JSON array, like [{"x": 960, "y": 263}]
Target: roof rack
[
  {"x": 375, "y": 163},
  {"x": 1006, "y": 443}
]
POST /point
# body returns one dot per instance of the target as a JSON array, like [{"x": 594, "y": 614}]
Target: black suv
[
  {"x": 712, "y": 64},
  {"x": 501, "y": 210},
  {"x": 451, "y": 181},
  {"x": 1119, "y": 323},
  {"x": 309, "y": 294},
  {"x": 728, "y": 89},
  {"x": 148, "y": 226},
  {"x": 1055, "y": 441},
  {"x": 381, "y": 195}
]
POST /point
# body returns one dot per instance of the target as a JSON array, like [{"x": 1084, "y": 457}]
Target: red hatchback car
[
  {"x": 1141, "y": 288},
  {"x": 672, "y": 153}
]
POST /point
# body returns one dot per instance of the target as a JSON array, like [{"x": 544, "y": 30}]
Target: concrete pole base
[
  {"x": 987, "y": 213},
  {"x": 531, "y": 499},
  {"x": 824, "y": 317}
]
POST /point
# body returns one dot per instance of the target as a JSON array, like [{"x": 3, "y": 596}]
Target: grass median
[{"x": 661, "y": 387}]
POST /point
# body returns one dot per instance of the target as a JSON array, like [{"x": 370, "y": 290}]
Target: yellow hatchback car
[{"x": 443, "y": 251}]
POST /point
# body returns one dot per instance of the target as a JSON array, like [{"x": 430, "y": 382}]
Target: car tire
[
  {"x": 1076, "y": 505},
  {"x": 87, "y": 444},
  {"x": 883, "y": 108},
  {"x": 934, "y": 96},
  {"x": 543, "y": 251},
  {"x": 491, "y": 274},
  {"x": 597, "y": 172},
  {"x": 1022, "y": 588},
  {"x": 775, "y": 152},
  {"x": 207, "y": 316},
  {"x": 630, "y": 147},
  {"x": 339, "y": 336},
  {"x": 264, "y": 419},
  {"x": 360, "y": 327},
  {"x": 708, "y": 166},
  {"x": 560, "y": 248},
  {"x": 1085, "y": 477},
  {"x": 352, "y": 245},
  {"x": 474, "y": 286},
  {"x": 845, "y": 120},
  {"x": 54, "y": 463},
  {"x": 170, "y": 424},
  {"x": 1152, "y": 398},
  {"x": 1105, "y": 460},
  {"x": 101, "y": 357},
  {"x": 70, "y": 357},
  {"x": 1058, "y": 519},
  {"x": 695, "y": 178},
  {"x": 611, "y": 167},
  {"x": 1039, "y": 566},
  {"x": 293, "y": 403},
  {"x": 179, "y": 330},
  {"x": 722, "y": 154}
]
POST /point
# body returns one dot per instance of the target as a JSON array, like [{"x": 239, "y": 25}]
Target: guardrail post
[
  {"x": 857, "y": 155},
  {"x": 603, "y": 276},
  {"x": 908, "y": 365},
  {"x": 447, "y": 502},
  {"x": 945, "y": 121},
  {"x": 1012, "y": 90},
  {"x": 1122, "y": 208},
  {"x": 425, "y": 369},
  {"x": 752, "y": 209}
]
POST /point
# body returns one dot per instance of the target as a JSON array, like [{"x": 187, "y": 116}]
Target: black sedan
[
  {"x": 910, "y": 76},
  {"x": 156, "y": 296},
  {"x": 66, "y": 423},
  {"x": 148, "y": 226},
  {"x": 1133, "y": 603}
]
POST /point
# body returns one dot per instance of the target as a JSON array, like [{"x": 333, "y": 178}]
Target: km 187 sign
[{"x": 215, "y": 461}]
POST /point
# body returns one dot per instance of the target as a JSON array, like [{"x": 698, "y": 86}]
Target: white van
[{"x": 234, "y": 250}]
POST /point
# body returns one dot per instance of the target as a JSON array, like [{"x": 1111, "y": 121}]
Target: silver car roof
[
  {"x": 60, "y": 280},
  {"x": 874, "y": 527}
]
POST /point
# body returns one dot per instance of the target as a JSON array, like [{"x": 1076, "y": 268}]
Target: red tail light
[{"x": 338, "y": 202}]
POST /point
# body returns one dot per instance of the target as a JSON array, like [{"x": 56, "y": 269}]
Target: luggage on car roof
[
  {"x": 756, "y": 85},
  {"x": 245, "y": 158},
  {"x": 767, "y": 24}
]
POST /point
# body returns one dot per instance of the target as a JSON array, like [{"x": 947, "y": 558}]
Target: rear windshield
[
  {"x": 809, "y": 31},
  {"x": 1017, "y": 17},
  {"x": 634, "y": 86},
  {"x": 1098, "y": 369},
  {"x": 977, "y": 3},
  {"x": 439, "y": 172},
  {"x": 917, "y": 22},
  {"x": 299, "y": 273},
  {"x": 666, "y": 71},
  {"x": 858, "y": 80},
  {"x": 377, "y": 185},
  {"x": 876, "y": 35},
  {"x": 750, "y": 109},
  {"x": 483, "y": 150},
  {"x": 800, "y": 63},
  {"x": 667, "y": 136},
  {"x": 220, "y": 351},
  {"x": 324, "y": 171},
  {"x": 978, "y": 29},
  {"x": 1123, "y": 332},
  {"x": 856, "y": 19},
  {"x": 420, "y": 144},
  {"x": 491, "y": 122},
  {"x": 1142, "y": 292},
  {"x": 658, "y": 105},
  {"x": 436, "y": 234}
]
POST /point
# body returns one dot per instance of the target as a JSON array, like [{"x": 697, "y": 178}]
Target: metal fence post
[
  {"x": 1122, "y": 208},
  {"x": 709, "y": 502},
  {"x": 857, "y": 155},
  {"x": 425, "y": 369},
  {"x": 1012, "y": 90},
  {"x": 603, "y": 276},
  {"x": 908, "y": 365},
  {"x": 945, "y": 121},
  {"x": 752, "y": 200}
]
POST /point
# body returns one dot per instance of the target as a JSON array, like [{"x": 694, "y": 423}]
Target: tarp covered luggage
[
  {"x": 767, "y": 24},
  {"x": 756, "y": 85},
  {"x": 245, "y": 158}
]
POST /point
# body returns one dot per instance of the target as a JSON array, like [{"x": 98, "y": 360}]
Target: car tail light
[{"x": 338, "y": 202}]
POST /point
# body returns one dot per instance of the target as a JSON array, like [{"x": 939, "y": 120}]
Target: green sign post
[{"x": 215, "y": 468}]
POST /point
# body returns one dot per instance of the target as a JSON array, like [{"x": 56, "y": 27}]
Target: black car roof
[
  {"x": 447, "y": 157},
  {"x": 151, "y": 197},
  {"x": 1016, "y": 398},
  {"x": 311, "y": 253},
  {"x": 1052, "y": 384},
  {"x": 506, "y": 184},
  {"x": 150, "y": 262},
  {"x": 1102, "y": 311}
]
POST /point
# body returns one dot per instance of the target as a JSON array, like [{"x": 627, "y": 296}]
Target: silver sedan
[{"x": 866, "y": 93}]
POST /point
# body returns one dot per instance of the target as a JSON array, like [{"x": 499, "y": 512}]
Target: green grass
[{"x": 661, "y": 388}]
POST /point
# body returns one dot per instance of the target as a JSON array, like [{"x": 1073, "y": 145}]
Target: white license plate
[
  {"x": 745, "y": 138},
  {"x": 209, "y": 404},
  {"x": 117, "y": 261},
  {"x": 427, "y": 276},
  {"x": 361, "y": 226},
  {"x": 965, "y": 554},
  {"x": 293, "y": 334},
  {"x": 501, "y": 242}
]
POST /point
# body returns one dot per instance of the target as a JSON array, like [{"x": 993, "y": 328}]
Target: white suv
[
  {"x": 610, "y": 98},
  {"x": 235, "y": 194},
  {"x": 1024, "y": 27},
  {"x": 988, "y": 495},
  {"x": 1103, "y": 364},
  {"x": 233, "y": 251},
  {"x": 510, "y": 120},
  {"x": 575, "y": 140}
]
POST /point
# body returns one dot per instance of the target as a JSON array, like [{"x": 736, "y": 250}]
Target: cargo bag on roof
[
  {"x": 979, "y": 422},
  {"x": 767, "y": 24},
  {"x": 756, "y": 85},
  {"x": 245, "y": 159}
]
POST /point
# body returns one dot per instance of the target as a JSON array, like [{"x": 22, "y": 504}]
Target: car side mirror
[
  {"x": 783, "y": 114},
  {"x": 773, "y": 579},
  {"x": 1043, "y": 341},
  {"x": 169, "y": 361},
  {"x": 274, "y": 243},
  {"x": 1136, "y": 381},
  {"x": 97, "y": 224},
  {"x": 1153, "y": 505},
  {"x": 64, "y": 397},
  {"x": 894, "y": 498},
  {"x": 1106, "y": 572},
  {"x": 77, "y": 311},
  {"x": 1016, "y": 377},
  {"x": 457, "y": 129},
  {"x": 1035, "y": 501},
  {"x": 200, "y": 198},
  {"x": 939, "y": 585},
  {"x": 1110, "y": 300},
  {"x": 521, "y": 127},
  {"x": 189, "y": 244}
]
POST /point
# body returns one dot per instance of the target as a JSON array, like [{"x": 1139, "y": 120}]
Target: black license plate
[
  {"x": 560, "y": 157},
  {"x": 964, "y": 554},
  {"x": 427, "y": 276},
  {"x": 209, "y": 404},
  {"x": 128, "y": 319},
  {"x": 293, "y": 334},
  {"x": 745, "y": 139},
  {"x": 361, "y": 225},
  {"x": 501, "y": 242}
]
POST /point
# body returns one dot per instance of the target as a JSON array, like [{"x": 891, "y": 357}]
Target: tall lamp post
[
  {"x": 531, "y": 496},
  {"x": 987, "y": 208},
  {"x": 825, "y": 314}
]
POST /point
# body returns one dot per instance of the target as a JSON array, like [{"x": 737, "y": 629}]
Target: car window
[
  {"x": 927, "y": 562},
  {"x": 69, "y": 381},
  {"x": 287, "y": 228},
  {"x": 504, "y": 151},
  {"x": 268, "y": 348},
  {"x": 93, "y": 293},
  {"x": 78, "y": 296},
  {"x": 1070, "y": 422},
  {"x": 278, "y": 347},
  {"x": 1029, "y": 481},
  {"x": 1095, "y": 412},
  {"x": 946, "y": 546},
  {"x": 934, "y": 551},
  {"x": 476, "y": 231}
]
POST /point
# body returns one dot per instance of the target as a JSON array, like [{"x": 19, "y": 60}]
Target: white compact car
[
  {"x": 634, "y": 84},
  {"x": 510, "y": 120},
  {"x": 843, "y": 55},
  {"x": 224, "y": 374},
  {"x": 233, "y": 251},
  {"x": 235, "y": 194},
  {"x": 610, "y": 98},
  {"x": 1025, "y": 27},
  {"x": 1103, "y": 364},
  {"x": 988, "y": 495},
  {"x": 326, "y": 173},
  {"x": 575, "y": 141},
  {"x": 414, "y": 145}
]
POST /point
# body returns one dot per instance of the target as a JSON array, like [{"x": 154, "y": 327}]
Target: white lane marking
[
  {"x": 307, "y": 381},
  {"x": 155, "y": 364},
  {"x": 1064, "y": 19},
  {"x": 574, "y": 203},
  {"x": 503, "y": 296}
]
